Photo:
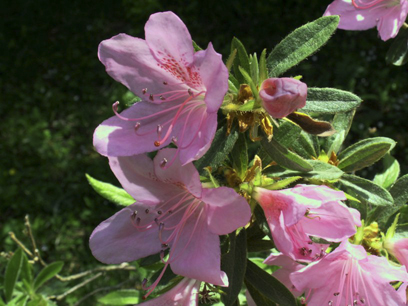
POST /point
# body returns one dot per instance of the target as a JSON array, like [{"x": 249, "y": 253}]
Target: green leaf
[
  {"x": 364, "y": 153},
  {"x": 258, "y": 297},
  {"x": 47, "y": 273},
  {"x": 121, "y": 297},
  {"x": 287, "y": 133},
  {"x": 305, "y": 145},
  {"x": 341, "y": 123},
  {"x": 400, "y": 191},
  {"x": 398, "y": 52},
  {"x": 239, "y": 156},
  {"x": 284, "y": 157},
  {"x": 196, "y": 47},
  {"x": 300, "y": 44},
  {"x": 268, "y": 286},
  {"x": 365, "y": 190},
  {"x": 241, "y": 60},
  {"x": 250, "y": 82},
  {"x": 330, "y": 101},
  {"x": 12, "y": 273},
  {"x": 283, "y": 183},
  {"x": 219, "y": 150},
  {"x": 254, "y": 66},
  {"x": 2, "y": 302},
  {"x": 110, "y": 192},
  {"x": 27, "y": 273},
  {"x": 390, "y": 173},
  {"x": 259, "y": 245},
  {"x": 321, "y": 171},
  {"x": 263, "y": 71},
  {"x": 231, "y": 59},
  {"x": 234, "y": 264}
]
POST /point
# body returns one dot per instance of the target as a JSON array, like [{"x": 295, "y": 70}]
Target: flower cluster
[{"x": 179, "y": 214}]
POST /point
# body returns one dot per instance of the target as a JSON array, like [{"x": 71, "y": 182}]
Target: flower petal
[
  {"x": 129, "y": 61},
  {"x": 170, "y": 42},
  {"x": 391, "y": 22},
  {"x": 227, "y": 210},
  {"x": 214, "y": 75},
  {"x": 136, "y": 174},
  {"x": 201, "y": 258},
  {"x": 116, "y": 240},
  {"x": 352, "y": 18},
  {"x": 177, "y": 174}
]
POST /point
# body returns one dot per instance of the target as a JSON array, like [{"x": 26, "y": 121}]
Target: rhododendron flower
[
  {"x": 288, "y": 266},
  {"x": 173, "y": 213},
  {"x": 306, "y": 210},
  {"x": 181, "y": 91},
  {"x": 184, "y": 293},
  {"x": 348, "y": 276},
  {"x": 282, "y": 96},
  {"x": 387, "y": 15}
]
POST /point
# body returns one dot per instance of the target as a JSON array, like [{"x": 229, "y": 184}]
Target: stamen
[
  {"x": 144, "y": 90},
  {"x": 174, "y": 140},
  {"x": 190, "y": 92},
  {"x": 159, "y": 212},
  {"x": 151, "y": 97},
  {"x": 162, "y": 98},
  {"x": 163, "y": 164},
  {"x": 137, "y": 126},
  {"x": 147, "y": 211},
  {"x": 164, "y": 83}
]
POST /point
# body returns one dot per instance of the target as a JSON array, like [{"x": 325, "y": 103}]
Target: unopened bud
[{"x": 282, "y": 96}]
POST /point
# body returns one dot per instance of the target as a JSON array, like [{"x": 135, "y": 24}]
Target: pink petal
[
  {"x": 332, "y": 221},
  {"x": 400, "y": 250},
  {"x": 176, "y": 174},
  {"x": 198, "y": 255},
  {"x": 227, "y": 210},
  {"x": 319, "y": 192},
  {"x": 169, "y": 39},
  {"x": 137, "y": 176},
  {"x": 393, "y": 19},
  {"x": 116, "y": 240},
  {"x": 129, "y": 61},
  {"x": 184, "y": 294},
  {"x": 214, "y": 75},
  {"x": 352, "y": 18}
]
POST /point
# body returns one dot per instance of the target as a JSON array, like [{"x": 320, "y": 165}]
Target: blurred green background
[{"x": 54, "y": 92}]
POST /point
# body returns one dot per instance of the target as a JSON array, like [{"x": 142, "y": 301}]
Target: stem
[
  {"x": 30, "y": 234},
  {"x": 20, "y": 244}
]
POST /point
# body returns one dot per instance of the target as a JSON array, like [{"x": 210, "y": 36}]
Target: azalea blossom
[
  {"x": 399, "y": 249},
  {"x": 173, "y": 216},
  {"x": 186, "y": 293},
  {"x": 282, "y": 96},
  {"x": 387, "y": 15},
  {"x": 348, "y": 276},
  {"x": 297, "y": 213},
  {"x": 181, "y": 91}
]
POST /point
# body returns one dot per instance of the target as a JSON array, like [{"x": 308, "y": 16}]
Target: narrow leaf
[
  {"x": 250, "y": 82},
  {"x": 110, "y": 192},
  {"x": 263, "y": 71},
  {"x": 364, "y": 153},
  {"x": 257, "y": 296},
  {"x": 239, "y": 156},
  {"x": 365, "y": 190},
  {"x": 390, "y": 173},
  {"x": 234, "y": 264},
  {"x": 121, "y": 297},
  {"x": 254, "y": 66},
  {"x": 284, "y": 157},
  {"x": 47, "y": 273},
  {"x": 300, "y": 44},
  {"x": 330, "y": 101},
  {"x": 304, "y": 145},
  {"x": 398, "y": 52},
  {"x": 400, "y": 191},
  {"x": 287, "y": 133},
  {"x": 219, "y": 150},
  {"x": 12, "y": 273},
  {"x": 231, "y": 59},
  {"x": 341, "y": 123},
  {"x": 268, "y": 286},
  {"x": 242, "y": 59}
]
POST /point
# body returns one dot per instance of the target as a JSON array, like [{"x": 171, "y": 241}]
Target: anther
[
  {"x": 174, "y": 140},
  {"x": 144, "y": 90},
  {"x": 162, "y": 98},
  {"x": 137, "y": 126},
  {"x": 138, "y": 221},
  {"x": 157, "y": 143},
  {"x": 190, "y": 92},
  {"x": 362, "y": 301},
  {"x": 159, "y": 212},
  {"x": 355, "y": 302},
  {"x": 156, "y": 220},
  {"x": 164, "y": 83},
  {"x": 161, "y": 226},
  {"x": 310, "y": 242},
  {"x": 330, "y": 303},
  {"x": 134, "y": 214},
  {"x": 336, "y": 293},
  {"x": 162, "y": 164},
  {"x": 151, "y": 98},
  {"x": 147, "y": 211},
  {"x": 164, "y": 245},
  {"x": 170, "y": 212}
]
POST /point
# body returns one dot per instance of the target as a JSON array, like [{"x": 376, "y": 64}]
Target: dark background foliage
[{"x": 54, "y": 92}]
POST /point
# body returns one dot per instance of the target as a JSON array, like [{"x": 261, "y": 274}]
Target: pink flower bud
[{"x": 282, "y": 96}]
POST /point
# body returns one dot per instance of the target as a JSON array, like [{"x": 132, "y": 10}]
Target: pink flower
[
  {"x": 306, "y": 210},
  {"x": 184, "y": 294},
  {"x": 282, "y": 96},
  {"x": 348, "y": 276},
  {"x": 288, "y": 266},
  {"x": 173, "y": 213},
  {"x": 387, "y": 15},
  {"x": 399, "y": 249},
  {"x": 181, "y": 91}
]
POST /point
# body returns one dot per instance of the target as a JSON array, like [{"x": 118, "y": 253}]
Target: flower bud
[{"x": 282, "y": 96}]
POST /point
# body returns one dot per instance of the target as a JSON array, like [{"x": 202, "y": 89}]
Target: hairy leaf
[{"x": 330, "y": 101}]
